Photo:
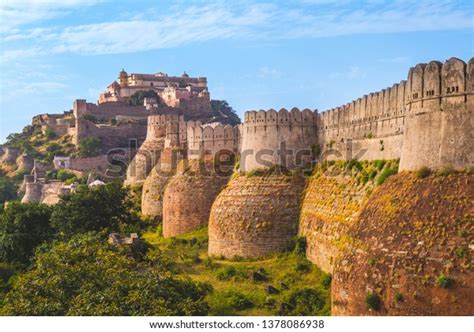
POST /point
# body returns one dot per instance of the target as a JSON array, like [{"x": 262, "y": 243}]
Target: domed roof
[
  {"x": 123, "y": 73},
  {"x": 185, "y": 75}
]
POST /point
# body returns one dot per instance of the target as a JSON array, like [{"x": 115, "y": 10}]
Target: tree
[
  {"x": 7, "y": 189},
  {"x": 93, "y": 209},
  {"x": 89, "y": 147},
  {"x": 222, "y": 111},
  {"x": 138, "y": 97},
  {"x": 22, "y": 228},
  {"x": 87, "y": 276}
]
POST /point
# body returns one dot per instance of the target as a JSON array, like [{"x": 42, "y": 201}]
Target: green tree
[
  {"x": 22, "y": 228},
  {"x": 7, "y": 189},
  {"x": 89, "y": 147},
  {"x": 137, "y": 98},
  {"x": 87, "y": 276},
  {"x": 93, "y": 209},
  {"x": 222, "y": 111}
]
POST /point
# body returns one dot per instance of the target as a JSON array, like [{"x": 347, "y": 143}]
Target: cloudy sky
[{"x": 256, "y": 54}]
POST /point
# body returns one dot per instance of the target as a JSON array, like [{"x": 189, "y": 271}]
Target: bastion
[
  {"x": 255, "y": 216},
  {"x": 411, "y": 250}
]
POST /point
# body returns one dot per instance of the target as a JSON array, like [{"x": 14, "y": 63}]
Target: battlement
[
  {"x": 209, "y": 139},
  {"x": 282, "y": 117},
  {"x": 157, "y": 126},
  {"x": 266, "y": 133}
]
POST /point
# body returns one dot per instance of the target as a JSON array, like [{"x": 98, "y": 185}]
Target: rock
[
  {"x": 271, "y": 290},
  {"x": 255, "y": 277}
]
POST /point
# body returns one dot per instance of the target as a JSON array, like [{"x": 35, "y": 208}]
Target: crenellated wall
[
  {"x": 264, "y": 132},
  {"x": 163, "y": 131},
  {"x": 439, "y": 116},
  {"x": 210, "y": 139}
]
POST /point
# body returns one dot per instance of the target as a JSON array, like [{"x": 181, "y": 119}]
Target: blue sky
[{"x": 256, "y": 54}]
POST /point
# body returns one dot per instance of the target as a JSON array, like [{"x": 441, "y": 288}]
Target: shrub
[
  {"x": 326, "y": 281},
  {"x": 228, "y": 302},
  {"x": 299, "y": 245},
  {"x": 385, "y": 174},
  {"x": 444, "y": 281},
  {"x": 64, "y": 175},
  {"x": 461, "y": 252},
  {"x": 379, "y": 164},
  {"x": 469, "y": 170},
  {"x": 226, "y": 273},
  {"x": 93, "y": 209},
  {"x": 49, "y": 134},
  {"x": 89, "y": 147},
  {"x": 423, "y": 172},
  {"x": 447, "y": 171},
  {"x": 398, "y": 297},
  {"x": 303, "y": 266},
  {"x": 373, "y": 301},
  {"x": 304, "y": 302}
]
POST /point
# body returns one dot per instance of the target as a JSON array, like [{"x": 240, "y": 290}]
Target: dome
[
  {"x": 123, "y": 74},
  {"x": 185, "y": 75}
]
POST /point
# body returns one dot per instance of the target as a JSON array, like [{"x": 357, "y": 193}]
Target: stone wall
[
  {"x": 439, "y": 120},
  {"x": 47, "y": 193},
  {"x": 264, "y": 132},
  {"x": 331, "y": 204},
  {"x": 208, "y": 140},
  {"x": 188, "y": 199},
  {"x": 411, "y": 236},
  {"x": 163, "y": 131},
  {"x": 255, "y": 216},
  {"x": 425, "y": 120}
]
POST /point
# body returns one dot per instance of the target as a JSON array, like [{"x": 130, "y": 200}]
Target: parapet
[
  {"x": 282, "y": 117},
  {"x": 211, "y": 139}
]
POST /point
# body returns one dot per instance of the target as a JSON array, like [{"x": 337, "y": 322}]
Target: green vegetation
[
  {"x": 399, "y": 297},
  {"x": 87, "y": 276},
  {"x": 223, "y": 112},
  {"x": 373, "y": 301},
  {"x": 89, "y": 147},
  {"x": 138, "y": 97},
  {"x": 447, "y": 171},
  {"x": 376, "y": 171},
  {"x": 8, "y": 189},
  {"x": 271, "y": 286},
  {"x": 423, "y": 172},
  {"x": 105, "y": 207},
  {"x": 22, "y": 228},
  {"x": 444, "y": 281}
]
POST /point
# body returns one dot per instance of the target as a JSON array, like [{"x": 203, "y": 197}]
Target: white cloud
[{"x": 185, "y": 23}]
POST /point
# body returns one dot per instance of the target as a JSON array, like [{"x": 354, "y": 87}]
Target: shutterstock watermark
[{"x": 223, "y": 162}]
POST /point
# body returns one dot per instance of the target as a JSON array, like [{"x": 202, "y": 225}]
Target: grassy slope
[{"x": 228, "y": 278}]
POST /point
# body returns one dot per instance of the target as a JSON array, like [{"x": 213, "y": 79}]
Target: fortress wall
[
  {"x": 46, "y": 193},
  {"x": 207, "y": 140},
  {"x": 111, "y": 136},
  {"x": 255, "y": 216},
  {"x": 439, "y": 117},
  {"x": 425, "y": 120},
  {"x": 32, "y": 192},
  {"x": 188, "y": 199},
  {"x": 331, "y": 204},
  {"x": 107, "y": 110},
  {"x": 156, "y": 181},
  {"x": 265, "y": 131}
]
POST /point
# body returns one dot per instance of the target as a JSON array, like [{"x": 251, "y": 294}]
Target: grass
[
  {"x": 444, "y": 281},
  {"x": 302, "y": 287}
]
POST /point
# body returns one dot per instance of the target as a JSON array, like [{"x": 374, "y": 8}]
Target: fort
[{"x": 257, "y": 208}]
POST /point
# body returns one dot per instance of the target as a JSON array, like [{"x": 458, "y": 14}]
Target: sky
[{"x": 315, "y": 54}]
